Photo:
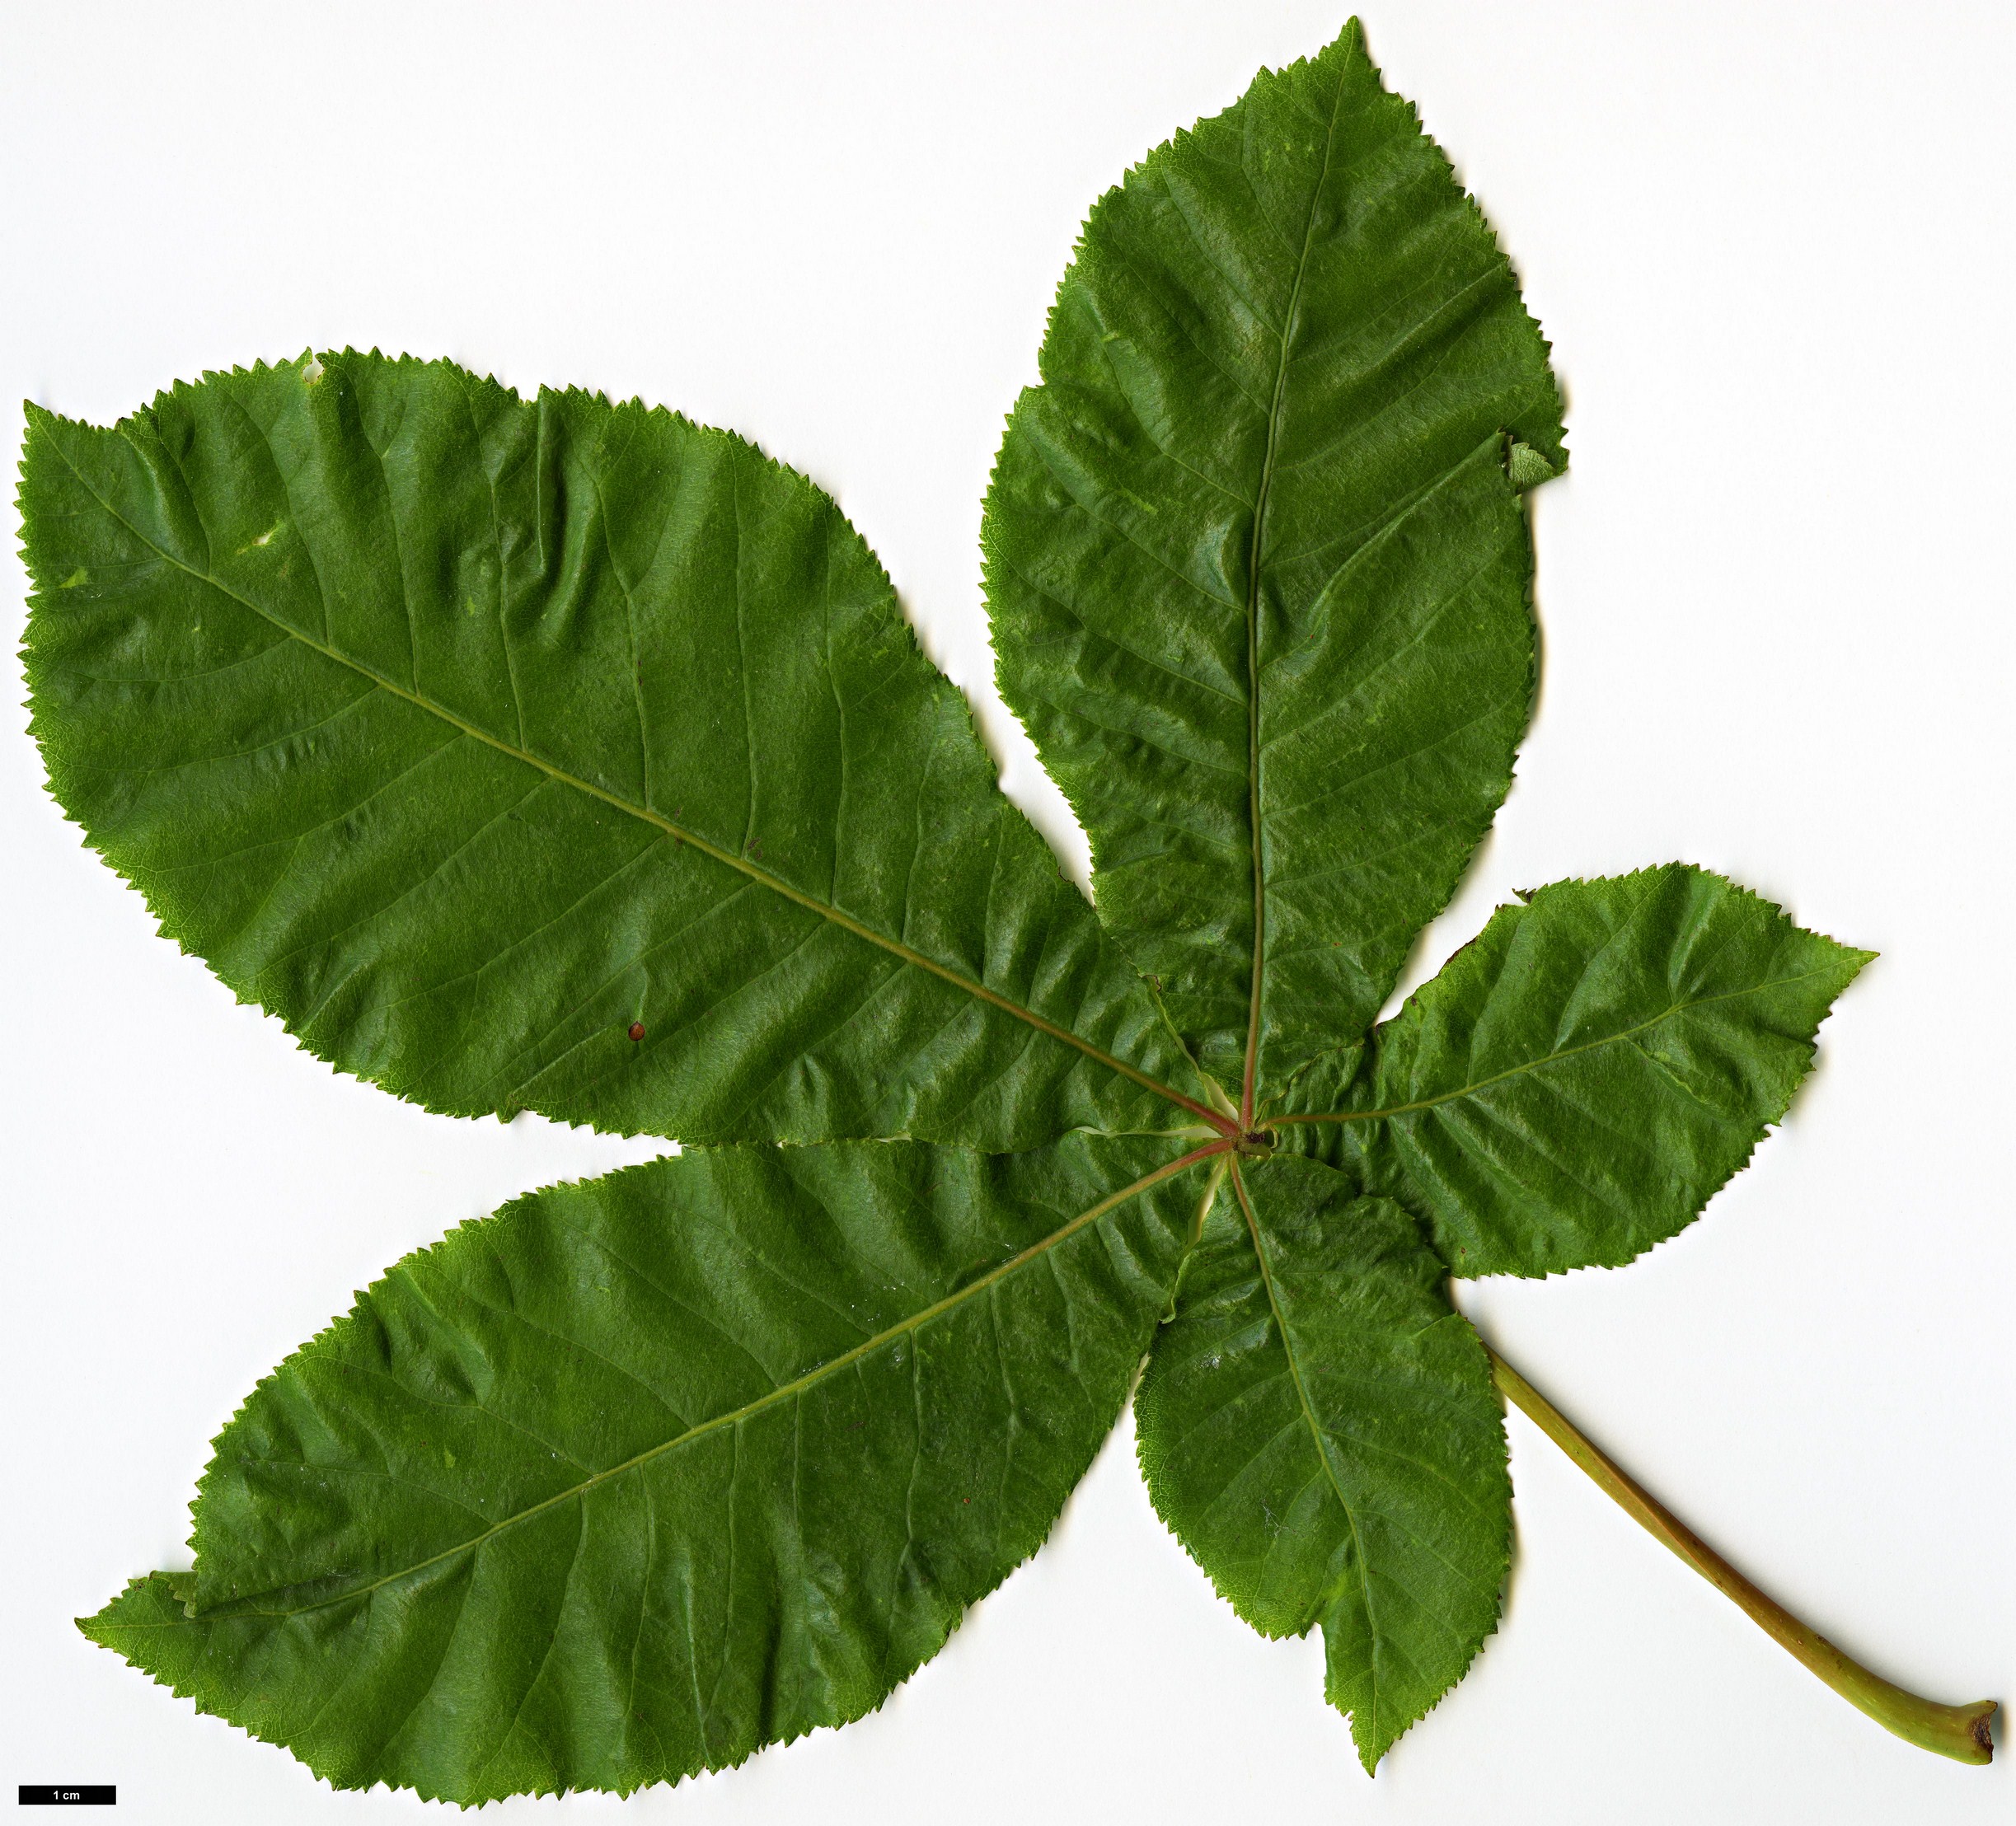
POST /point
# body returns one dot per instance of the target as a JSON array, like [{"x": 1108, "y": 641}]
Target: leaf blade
[
  {"x": 382, "y": 683},
  {"x": 643, "y": 1473},
  {"x": 1580, "y": 1080},
  {"x": 1317, "y": 1426},
  {"x": 1285, "y": 332}
]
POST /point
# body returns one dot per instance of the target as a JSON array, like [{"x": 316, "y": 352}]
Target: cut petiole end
[{"x": 1960, "y": 1732}]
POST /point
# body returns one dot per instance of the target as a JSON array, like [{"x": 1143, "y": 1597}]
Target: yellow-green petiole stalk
[{"x": 1958, "y": 1731}]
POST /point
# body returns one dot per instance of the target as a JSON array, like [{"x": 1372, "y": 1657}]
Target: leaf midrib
[
  {"x": 1249, "y": 1087},
  {"x": 1620, "y": 1037},
  {"x": 644, "y": 814},
  {"x": 1318, "y": 1436},
  {"x": 782, "y": 1392}
]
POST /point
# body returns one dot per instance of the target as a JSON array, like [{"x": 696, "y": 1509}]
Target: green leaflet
[
  {"x": 1318, "y": 1428},
  {"x": 1577, "y": 1082},
  {"x": 474, "y": 736},
  {"x": 464, "y": 732},
  {"x": 1257, "y": 574},
  {"x": 641, "y": 1474}
]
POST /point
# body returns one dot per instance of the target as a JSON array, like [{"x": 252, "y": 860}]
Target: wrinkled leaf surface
[
  {"x": 643, "y": 1473},
  {"x": 1319, "y": 1427},
  {"x": 1575, "y": 1085},
  {"x": 1257, "y": 573},
  {"x": 466, "y": 733}
]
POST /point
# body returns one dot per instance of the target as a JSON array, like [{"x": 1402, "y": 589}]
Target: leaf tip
[{"x": 106, "y": 1626}]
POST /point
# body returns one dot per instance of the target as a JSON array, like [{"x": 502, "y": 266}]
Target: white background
[{"x": 1772, "y": 244}]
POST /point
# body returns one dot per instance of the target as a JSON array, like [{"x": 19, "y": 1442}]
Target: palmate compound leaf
[
  {"x": 1257, "y": 573},
  {"x": 468, "y": 733},
  {"x": 643, "y": 1473}
]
